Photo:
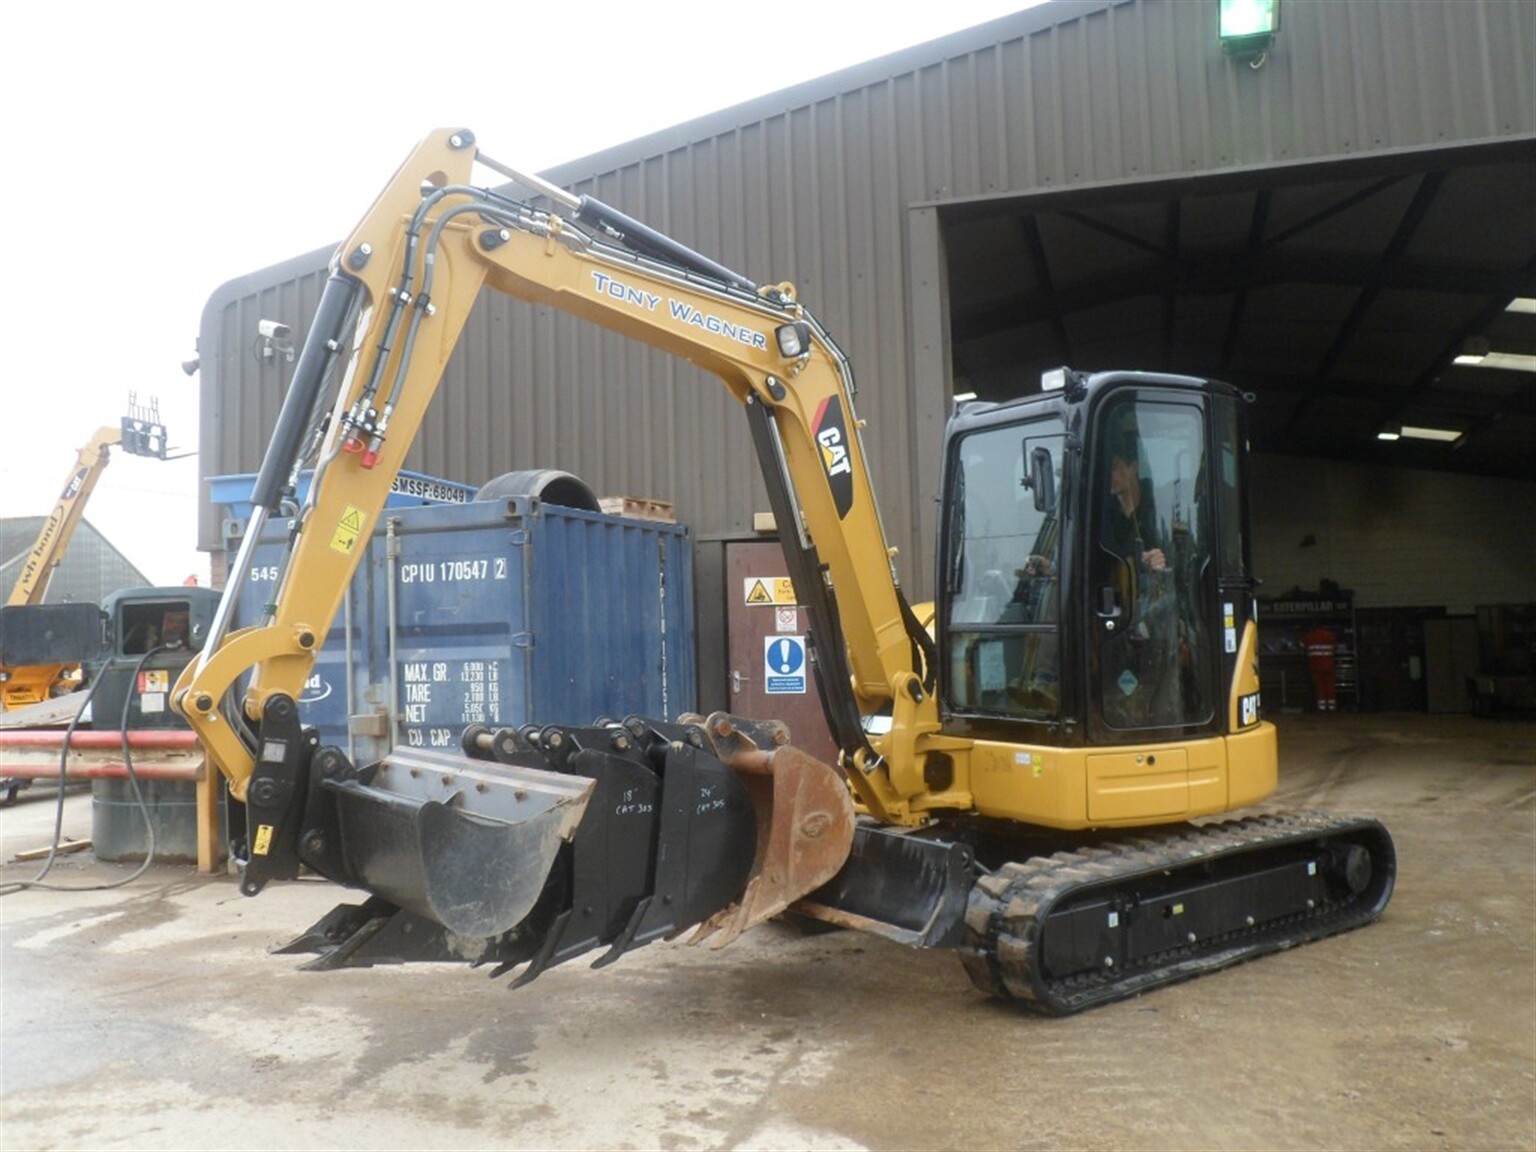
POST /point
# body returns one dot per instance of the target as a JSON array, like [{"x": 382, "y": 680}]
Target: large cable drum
[{"x": 548, "y": 485}]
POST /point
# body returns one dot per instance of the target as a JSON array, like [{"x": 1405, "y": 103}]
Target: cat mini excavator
[{"x": 1025, "y": 783}]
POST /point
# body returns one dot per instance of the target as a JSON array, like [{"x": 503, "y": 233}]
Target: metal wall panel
[
  {"x": 89, "y": 570},
  {"x": 1394, "y": 536},
  {"x": 816, "y": 184}
]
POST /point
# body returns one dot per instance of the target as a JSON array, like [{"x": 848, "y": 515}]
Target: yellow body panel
[
  {"x": 1073, "y": 788},
  {"x": 29, "y": 684}
]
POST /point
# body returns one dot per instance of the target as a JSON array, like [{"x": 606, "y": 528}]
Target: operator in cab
[{"x": 1140, "y": 658}]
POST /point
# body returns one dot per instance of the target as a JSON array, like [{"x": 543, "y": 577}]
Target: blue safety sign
[{"x": 784, "y": 664}]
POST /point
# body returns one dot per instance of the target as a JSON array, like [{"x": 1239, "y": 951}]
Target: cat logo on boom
[{"x": 832, "y": 437}]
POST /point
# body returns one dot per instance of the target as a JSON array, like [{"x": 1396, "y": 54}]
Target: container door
[{"x": 769, "y": 675}]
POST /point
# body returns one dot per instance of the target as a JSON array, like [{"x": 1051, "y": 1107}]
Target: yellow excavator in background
[
  {"x": 41, "y": 646},
  {"x": 1024, "y": 783}
]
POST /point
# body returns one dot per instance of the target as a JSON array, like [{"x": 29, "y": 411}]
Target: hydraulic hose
[
  {"x": 38, "y": 881},
  {"x": 309, "y": 375}
]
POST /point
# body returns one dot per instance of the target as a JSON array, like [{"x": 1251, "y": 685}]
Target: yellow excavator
[
  {"x": 41, "y": 646},
  {"x": 1035, "y": 772}
]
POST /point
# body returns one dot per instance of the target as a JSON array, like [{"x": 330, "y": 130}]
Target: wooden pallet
[{"x": 638, "y": 508}]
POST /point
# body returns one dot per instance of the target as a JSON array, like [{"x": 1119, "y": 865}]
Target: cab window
[{"x": 1003, "y": 564}]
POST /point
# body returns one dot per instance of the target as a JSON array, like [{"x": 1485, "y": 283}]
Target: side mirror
[{"x": 1042, "y": 479}]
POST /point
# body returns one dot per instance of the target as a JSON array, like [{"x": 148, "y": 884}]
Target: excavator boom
[
  {"x": 60, "y": 523},
  {"x": 737, "y": 825}
]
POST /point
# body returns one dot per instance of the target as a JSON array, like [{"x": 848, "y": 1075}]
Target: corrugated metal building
[{"x": 1087, "y": 182}]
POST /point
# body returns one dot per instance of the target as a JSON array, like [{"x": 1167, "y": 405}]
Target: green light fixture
[{"x": 1248, "y": 27}]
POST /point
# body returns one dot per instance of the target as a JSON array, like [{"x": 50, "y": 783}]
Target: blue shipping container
[
  {"x": 497, "y": 612},
  {"x": 410, "y": 490}
]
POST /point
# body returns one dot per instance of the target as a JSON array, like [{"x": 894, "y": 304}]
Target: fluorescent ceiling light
[
  {"x": 1509, "y": 361},
  {"x": 1446, "y": 435},
  {"x": 1476, "y": 352},
  {"x": 1522, "y": 304},
  {"x": 1396, "y": 431}
]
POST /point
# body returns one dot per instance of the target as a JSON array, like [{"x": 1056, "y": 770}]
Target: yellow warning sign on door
[
  {"x": 344, "y": 539},
  {"x": 769, "y": 590}
]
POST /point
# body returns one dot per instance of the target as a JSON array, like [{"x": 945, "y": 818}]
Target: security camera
[{"x": 274, "y": 329}]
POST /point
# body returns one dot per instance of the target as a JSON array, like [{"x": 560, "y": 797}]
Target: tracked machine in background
[
  {"x": 42, "y": 645},
  {"x": 1026, "y": 771}
]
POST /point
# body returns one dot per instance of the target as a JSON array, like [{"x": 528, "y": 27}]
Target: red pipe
[
  {"x": 113, "y": 770},
  {"x": 137, "y": 738}
]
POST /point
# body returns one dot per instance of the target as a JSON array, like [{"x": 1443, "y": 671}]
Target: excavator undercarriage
[{"x": 1099, "y": 923}]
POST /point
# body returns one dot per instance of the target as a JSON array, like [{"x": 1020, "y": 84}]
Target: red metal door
[{"x": 769, "y": 677}]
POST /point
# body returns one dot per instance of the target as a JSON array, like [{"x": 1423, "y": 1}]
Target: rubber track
[{"x": 1003, "y": 916}]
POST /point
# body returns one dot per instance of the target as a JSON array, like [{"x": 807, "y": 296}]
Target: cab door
[{"x": 1156, "y": 629}]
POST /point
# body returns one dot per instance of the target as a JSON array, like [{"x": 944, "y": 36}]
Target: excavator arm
[
  {"x": 401, "y": 288},
  {"x": 412, "y": 271}
]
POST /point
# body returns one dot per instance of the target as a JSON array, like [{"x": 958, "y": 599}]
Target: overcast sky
[{"x": 154, "y": 150}]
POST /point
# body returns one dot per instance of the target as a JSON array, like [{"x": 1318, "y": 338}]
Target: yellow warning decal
[
  {"x": 344, "y": 539},
  {"x": 263, "y": 843},
  {"x": 770, "y": 590}
]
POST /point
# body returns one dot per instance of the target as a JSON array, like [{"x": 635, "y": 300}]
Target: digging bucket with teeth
[{"x": 539, "y": 845}]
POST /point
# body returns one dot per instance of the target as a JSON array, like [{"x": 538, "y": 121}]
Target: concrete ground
[{"x": 153, "y": 1017}]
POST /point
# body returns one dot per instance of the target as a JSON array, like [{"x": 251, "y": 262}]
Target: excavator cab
[{"x": 1092, "y": 580}]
